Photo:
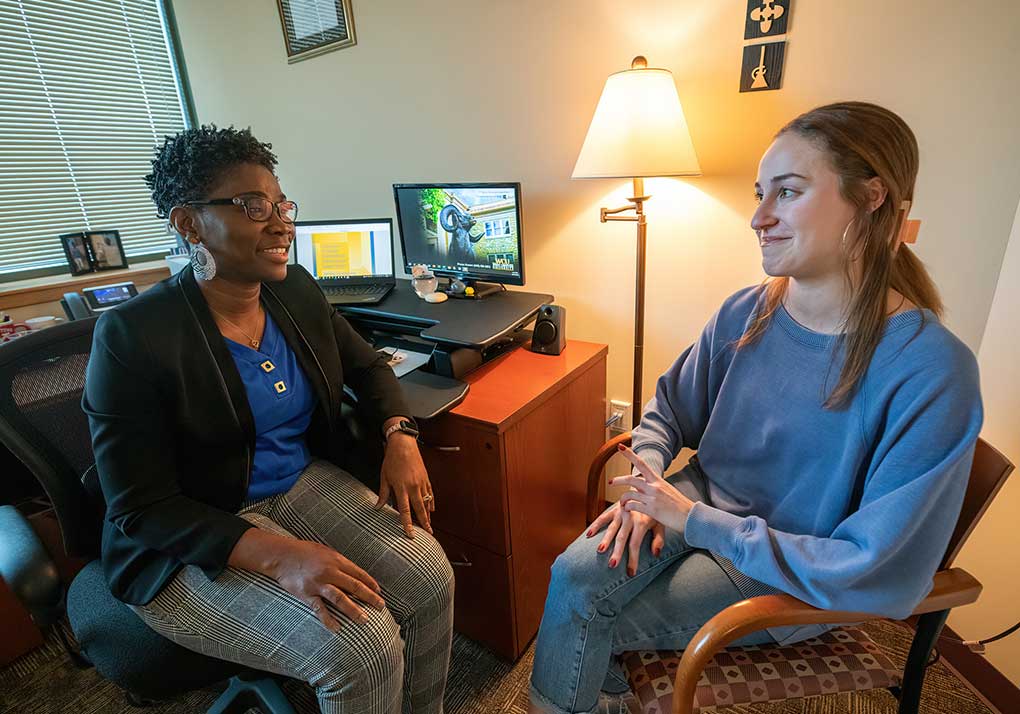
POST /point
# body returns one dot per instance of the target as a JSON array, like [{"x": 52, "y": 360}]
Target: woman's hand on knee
[
  {"x": 643, "y": 524},
  {"x": 404, "y": 479},
  {"x": 625, "y": 531},
  {"x": 317, "y": 575}
]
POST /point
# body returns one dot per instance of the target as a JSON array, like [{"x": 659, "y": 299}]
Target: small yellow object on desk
[{"x": 469, "y": 291}]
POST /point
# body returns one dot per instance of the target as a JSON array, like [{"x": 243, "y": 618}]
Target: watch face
[{"x": 409, "y": 427}]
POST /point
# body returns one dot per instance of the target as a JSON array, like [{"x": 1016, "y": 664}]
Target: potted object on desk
[{"x": 425, "y": 284}]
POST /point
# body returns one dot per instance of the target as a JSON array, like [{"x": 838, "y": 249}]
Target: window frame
[{"x": 172, "y": 34}]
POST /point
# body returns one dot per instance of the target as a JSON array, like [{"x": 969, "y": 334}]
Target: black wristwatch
[{"x": 405, "y": 425}]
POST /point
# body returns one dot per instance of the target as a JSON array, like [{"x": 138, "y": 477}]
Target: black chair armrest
[{"x": 28, "y": 569}]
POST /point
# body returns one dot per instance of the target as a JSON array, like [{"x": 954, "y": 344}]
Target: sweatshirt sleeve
[
  {"x": 880, "y": 558},
  {"x": 675, "y": 418}
]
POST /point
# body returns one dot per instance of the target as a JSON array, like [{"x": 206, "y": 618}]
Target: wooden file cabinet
[{"x": 508, "y": 468}]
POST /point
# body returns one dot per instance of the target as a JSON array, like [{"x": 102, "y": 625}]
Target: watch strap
[{"x": 405, "y": 425}]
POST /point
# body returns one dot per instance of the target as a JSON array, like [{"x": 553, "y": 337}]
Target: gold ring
[{"x": 427, "y": 497}]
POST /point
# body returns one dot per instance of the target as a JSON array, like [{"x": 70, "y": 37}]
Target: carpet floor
[{"x": 45, "y": 682}]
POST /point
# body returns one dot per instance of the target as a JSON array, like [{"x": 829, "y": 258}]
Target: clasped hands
[{"x": 652, "y": 504}]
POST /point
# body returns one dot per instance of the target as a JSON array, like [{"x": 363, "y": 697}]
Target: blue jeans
[{"x": 593, "y": 612}]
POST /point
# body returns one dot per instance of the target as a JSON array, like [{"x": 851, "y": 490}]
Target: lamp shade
[{"x": 638, "y": 130}]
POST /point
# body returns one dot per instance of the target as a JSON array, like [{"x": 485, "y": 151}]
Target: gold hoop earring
[{"x": 845, "y": 231}]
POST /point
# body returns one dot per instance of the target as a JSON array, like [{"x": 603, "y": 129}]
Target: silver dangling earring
[{"x": 202, "y": 262}]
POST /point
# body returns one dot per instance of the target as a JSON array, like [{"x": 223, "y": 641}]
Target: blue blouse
[{"x": 282, "y": 402}]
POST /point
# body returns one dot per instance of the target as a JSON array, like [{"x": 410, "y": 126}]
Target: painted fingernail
[
  {"x": 621, "y": 447},
  {"x": 656, "y": 552},
  {"x": 602, "y": 548},
  {"x": 630, "y": 572},
  {"x": 612, "y": 562},
  {"x": 589, "y": 534},
  {"x": 610, "y": 482}
]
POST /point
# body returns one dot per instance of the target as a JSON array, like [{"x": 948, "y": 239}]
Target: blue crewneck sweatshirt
[{"x": 848, "y": 509}]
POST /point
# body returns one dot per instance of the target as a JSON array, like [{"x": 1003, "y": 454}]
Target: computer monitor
[
  {"x": 354, "y": 250},
  {"x": 469, "y": 231}
]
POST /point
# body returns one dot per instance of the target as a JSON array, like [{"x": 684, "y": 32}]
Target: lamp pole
[
  {"x": 637, "y": 202},
  {"x": 638, "y": 130}
]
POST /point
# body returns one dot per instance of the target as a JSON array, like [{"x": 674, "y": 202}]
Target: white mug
[{"x": 38, "y": 323}]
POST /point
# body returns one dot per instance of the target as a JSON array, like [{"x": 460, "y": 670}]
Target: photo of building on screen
[{"x": 467, "y": 228}]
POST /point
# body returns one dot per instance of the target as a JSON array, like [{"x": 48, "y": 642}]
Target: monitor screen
[
  {"x": 345, "y": 249},
  {"x": 471, "y": 231}
]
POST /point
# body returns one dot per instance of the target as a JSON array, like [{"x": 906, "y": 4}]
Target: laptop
[{"x": 351, "y": 260}]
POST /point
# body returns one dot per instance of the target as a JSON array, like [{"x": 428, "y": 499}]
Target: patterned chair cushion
[{"x": 841, "y": 660}]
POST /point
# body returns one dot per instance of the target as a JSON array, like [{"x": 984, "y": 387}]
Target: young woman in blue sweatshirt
[{"x": 833, "y": 415}]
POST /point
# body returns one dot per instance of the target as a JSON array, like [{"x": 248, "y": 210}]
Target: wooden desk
[
  {"x": 508, "y": 467},
  {"x": 41, "y": 296}
]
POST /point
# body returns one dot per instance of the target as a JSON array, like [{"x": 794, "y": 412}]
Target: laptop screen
[{"x": 345, "y": 249}]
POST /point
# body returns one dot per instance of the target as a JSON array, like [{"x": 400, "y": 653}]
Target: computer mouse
[{"x": 436, "y": 297}]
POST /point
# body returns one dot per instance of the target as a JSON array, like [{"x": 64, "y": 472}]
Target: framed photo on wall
[
  {"x": 106, "y": 250},
  {"x": 77, "y": 253},
  {"x": 314, "y": 27}
]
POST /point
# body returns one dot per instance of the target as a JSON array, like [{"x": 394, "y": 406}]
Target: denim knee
[{"x": 579, "y": 577}]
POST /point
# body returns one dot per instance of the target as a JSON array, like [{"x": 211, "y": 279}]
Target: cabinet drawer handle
[
  {"x": 446, "y": 448},
  {"x": 461, "y": 563}
]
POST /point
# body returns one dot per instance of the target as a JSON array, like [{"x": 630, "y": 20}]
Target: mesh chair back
[{"x": 42, "y": 376}]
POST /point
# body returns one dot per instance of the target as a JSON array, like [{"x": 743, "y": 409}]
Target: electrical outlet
[{"x": 620, "y": 415}]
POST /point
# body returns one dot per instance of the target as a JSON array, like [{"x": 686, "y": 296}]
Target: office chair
[
  {"x": 708, "y": 675},
  {"x": 42, "y": 423}
]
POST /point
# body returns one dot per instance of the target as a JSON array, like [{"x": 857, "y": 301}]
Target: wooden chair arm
[
  {"x": 596, "y": 498},
  {"x": 951, "y": 588}
]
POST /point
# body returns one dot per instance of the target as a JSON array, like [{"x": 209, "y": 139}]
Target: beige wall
[
  {"x": 991, "y": 552},
  {"x": 424, "y": 96}
]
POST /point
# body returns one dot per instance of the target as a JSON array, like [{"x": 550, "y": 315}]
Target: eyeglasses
[{"x": 257, "y": 209}]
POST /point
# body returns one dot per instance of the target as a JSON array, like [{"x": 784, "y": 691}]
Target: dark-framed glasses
[{"x": 257, "y": 208}]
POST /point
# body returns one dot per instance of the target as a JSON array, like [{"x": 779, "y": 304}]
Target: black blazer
[{"x": 172, "y": 431}]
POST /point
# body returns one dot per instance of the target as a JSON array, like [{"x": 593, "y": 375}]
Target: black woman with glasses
[{"x": 214, "y": 404}]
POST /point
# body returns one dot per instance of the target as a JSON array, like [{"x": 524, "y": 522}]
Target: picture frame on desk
[
  {"x": 77, "y": 253},
  {"x": 106, "y": 250},
  {"x": 314, "y": 27},
  {"x": 91, "y": 251}
]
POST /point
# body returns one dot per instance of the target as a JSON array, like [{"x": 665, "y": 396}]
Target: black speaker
[{"x": 550, "y": 334}]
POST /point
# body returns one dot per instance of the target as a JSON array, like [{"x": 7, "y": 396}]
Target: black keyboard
[
  {"x": 354, "y": 294},
  {"x": 375, "y": 289}
]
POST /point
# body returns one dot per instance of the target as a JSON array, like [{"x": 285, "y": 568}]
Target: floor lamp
[{"x": 638, "y": 131}]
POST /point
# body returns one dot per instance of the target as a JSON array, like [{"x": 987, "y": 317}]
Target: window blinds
[{"x": 87, "y": 90}]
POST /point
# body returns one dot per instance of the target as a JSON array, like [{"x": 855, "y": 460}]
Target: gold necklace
[{"x": 251, "y": 338}]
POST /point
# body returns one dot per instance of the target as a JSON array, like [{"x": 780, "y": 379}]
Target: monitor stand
[{"x": 455, "y": 288}]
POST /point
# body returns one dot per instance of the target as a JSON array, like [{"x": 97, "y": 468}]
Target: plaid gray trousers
[{"x": 398, "y": 661}]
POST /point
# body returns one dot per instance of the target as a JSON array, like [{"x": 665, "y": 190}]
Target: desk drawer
[
  {"x": 466, "y": 471},
  {"x": 483, "y": 606}
]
